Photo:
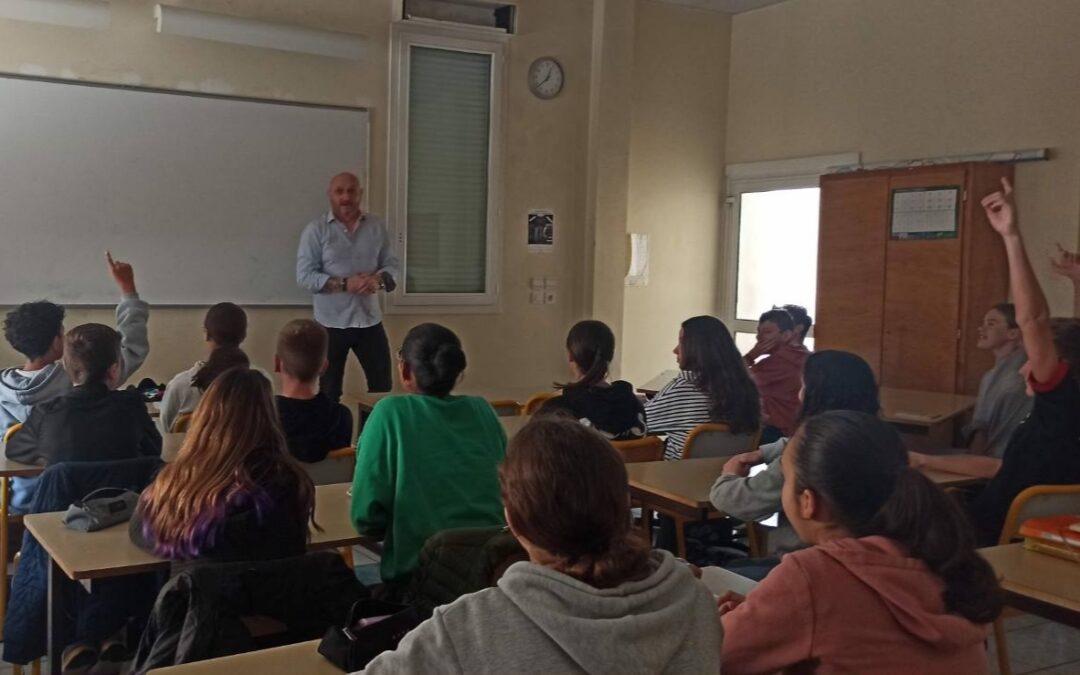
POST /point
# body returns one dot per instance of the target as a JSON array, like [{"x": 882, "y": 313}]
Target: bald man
[{"x": 344, "y": 260}]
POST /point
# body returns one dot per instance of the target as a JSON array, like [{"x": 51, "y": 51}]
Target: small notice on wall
[
  {"x": 541, "y": 232},
  {"x": 639, "y": 261},
  {"x": 925, "y": 213}
]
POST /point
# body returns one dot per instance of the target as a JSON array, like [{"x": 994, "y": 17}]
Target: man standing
[{"x": 344, "y": 260}]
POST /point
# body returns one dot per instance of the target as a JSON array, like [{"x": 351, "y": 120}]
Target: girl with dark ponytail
[
  {"x": 611, "y": 408},
  {"x": 891, "y": 583},
  {"x": 426, "y": 461}
]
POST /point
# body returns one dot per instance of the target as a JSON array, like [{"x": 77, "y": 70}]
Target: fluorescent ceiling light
[
  {"x": 256, "y": 33},
  {"x": 74, "y": 13}
]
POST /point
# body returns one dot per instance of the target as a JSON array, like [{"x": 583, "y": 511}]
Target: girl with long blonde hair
[{"x": 234, "y": 492}]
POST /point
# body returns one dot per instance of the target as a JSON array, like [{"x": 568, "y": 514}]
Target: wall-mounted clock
[{"x": 545, "y": 77}]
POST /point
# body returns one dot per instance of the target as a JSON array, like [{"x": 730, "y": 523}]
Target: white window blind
[{"x": 449, "y": 132}]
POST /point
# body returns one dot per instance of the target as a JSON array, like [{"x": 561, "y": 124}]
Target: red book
[{"x": 1060, "y": 529}]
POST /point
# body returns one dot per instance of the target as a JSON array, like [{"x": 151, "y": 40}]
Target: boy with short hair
[
  {"x": 1002, "y": 403},
  {"x": 779, "y": 375},
  {"x": 802, "y": 320},
  {"x": 36, "y": 330},
  {"x": 91, "y": 422},
  {"x": 313, "y": 424}
]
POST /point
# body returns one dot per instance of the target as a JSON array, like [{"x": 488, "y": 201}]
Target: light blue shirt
[{"x": 328, "y": 250}]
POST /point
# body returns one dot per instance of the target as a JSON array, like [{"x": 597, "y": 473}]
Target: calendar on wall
[{"x": 924, "y": 213}]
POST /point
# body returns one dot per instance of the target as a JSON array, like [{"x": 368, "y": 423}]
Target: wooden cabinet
[{"x": 909, "y": 306}]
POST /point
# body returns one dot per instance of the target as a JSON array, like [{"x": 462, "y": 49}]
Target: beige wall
[
  {"x": 899, "y": 79},
  {"x": 545, "y": 158},
  {"x": 677, "y": 142}
]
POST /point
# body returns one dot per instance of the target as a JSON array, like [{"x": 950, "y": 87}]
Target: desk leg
[
  {"x": 680, "y": 536},
  {"x": 56, "y": 617},
  {"x": 4, "y": 552}
]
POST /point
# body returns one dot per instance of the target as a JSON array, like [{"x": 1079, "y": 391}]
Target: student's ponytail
[
  {"x": 220, "y": 360},
  {"x": 591, "y": 346},
  {"x": 931, "y": 527},
  {"x": 857, "y": 464}
]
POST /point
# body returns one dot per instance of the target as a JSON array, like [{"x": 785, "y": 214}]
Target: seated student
[
  {"x": 225, "y": 327},
  {"x": 832, "y": 380},
  {"x": 36, "y": 330},
  {"x": 234, "y": 492},
  {"x": 426, "y": 461},
  {"x": 313, "y": 424},
  {"x": 1044, "y": 449},
  {"x": 891, "y": 582},
  {"x": 777, "y": 375},
  {"x": 1067, "y": 264},
  {"x": 1002, "y": 403},
  {"x": 91, "y": 422},
  {"x": 591, "y": 599},
  {"x": 713, "y": 386},
  {"x": 802, "y": 320},
  {"x": 612, "y": 408}
]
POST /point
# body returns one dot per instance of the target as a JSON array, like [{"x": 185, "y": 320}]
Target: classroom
[{"x": 511, "y": 317}]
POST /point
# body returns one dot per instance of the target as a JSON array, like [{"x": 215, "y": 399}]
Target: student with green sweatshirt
[{"x": 426, "y": 461}]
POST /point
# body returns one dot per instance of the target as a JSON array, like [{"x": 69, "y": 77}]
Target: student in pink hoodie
[{"x": 891, "y": 583}]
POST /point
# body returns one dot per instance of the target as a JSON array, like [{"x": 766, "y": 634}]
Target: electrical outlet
[{"x": 549, "y": 297}]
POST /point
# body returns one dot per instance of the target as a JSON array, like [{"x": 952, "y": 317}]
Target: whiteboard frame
[{"x": 201, "y": 94}]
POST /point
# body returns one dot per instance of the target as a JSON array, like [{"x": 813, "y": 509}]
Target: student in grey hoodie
[
  {"x": 832, "y": 380},
  {"x": 592, "y": 598},
  {"x": 36, "y": 330}
]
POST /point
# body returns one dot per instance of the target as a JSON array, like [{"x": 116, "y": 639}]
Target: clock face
[{"x": 545, "y": 77}]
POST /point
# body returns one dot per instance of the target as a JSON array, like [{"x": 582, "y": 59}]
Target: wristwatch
[{"x": 342, "y": 284}]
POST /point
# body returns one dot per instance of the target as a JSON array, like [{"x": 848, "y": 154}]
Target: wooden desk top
[
  {"x": 1038, "y": 576},
  {"x": 367, "y": 401},
  {"x": 302, "y": 657},
  {"x": 657, "y": 383},
  {"x": 9, "y": 468},
  {"x": 110, "y": 552},
  {"x": 688, "y": 481},
  {"x": 922, "y": 408}
]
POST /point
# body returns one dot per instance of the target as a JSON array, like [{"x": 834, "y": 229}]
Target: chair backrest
[
  {"x": 11, "y": 431},
  {"x": 506, "y": 408},
  {"x": 715, "y": 439},
  {"x": 338, "y": 467},
  {"x": 648, "y": 449},
  {"x": 537, "y": 400},
  {"x": 1039, "y": 501},
  {"x": 181, "y": 423}
]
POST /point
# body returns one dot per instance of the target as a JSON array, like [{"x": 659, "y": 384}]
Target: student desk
[
  {"x": 680, "y": 489},
  {"x": 366, "y": 402},
  {"x": 1037, "y": 583},
  {"x": 926, "y": 419},
  {"x": 85, "y": 556},
  {"x": 650, "y": 388},
  {"x": 302, "y": 657}
]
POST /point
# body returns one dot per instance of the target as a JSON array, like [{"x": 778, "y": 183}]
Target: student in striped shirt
[{"x": 713, "y": 386}]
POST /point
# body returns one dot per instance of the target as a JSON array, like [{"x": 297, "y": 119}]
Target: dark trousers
[{"x": 372, "y": 349}]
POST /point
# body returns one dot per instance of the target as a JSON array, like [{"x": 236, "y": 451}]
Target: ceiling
[{"x": 726, "y": 6}]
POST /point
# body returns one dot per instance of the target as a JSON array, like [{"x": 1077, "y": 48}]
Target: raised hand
[
  {"x": 1067, "y": 264},
  {"x": 1001, "y": 209},
  {"x": 122, "y": 274}
]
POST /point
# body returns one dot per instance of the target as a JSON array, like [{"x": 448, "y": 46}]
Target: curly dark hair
[
  {"x": 31, "y": 328},
  {"x": 837, "y": 380}
]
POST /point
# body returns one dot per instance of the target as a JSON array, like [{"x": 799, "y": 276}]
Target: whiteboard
[{"x": 206, "y": 196}]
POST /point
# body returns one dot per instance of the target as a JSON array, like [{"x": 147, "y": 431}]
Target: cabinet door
[
  {"x": 922, "y": 296},
  {"x": 851, "y": 264}
]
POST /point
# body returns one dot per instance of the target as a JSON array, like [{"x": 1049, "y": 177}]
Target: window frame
[
  {"x": 791, "y": 174},
  {"x": 404, "y": 36}
]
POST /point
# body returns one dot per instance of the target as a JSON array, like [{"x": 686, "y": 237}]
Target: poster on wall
[
  {"x": 924, "y": 213},
  {"x": 541, "y": 231}
]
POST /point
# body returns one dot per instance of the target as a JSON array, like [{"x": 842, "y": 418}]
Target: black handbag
[{"x": 373, "y": 627}]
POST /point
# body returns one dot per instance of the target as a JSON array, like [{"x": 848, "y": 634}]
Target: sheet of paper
[
  {"x": 925, "y": 214},
  {"x": 720, "y": 581},
  {"x": 639, "y": 261}
]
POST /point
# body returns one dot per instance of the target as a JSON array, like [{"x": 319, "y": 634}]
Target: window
[
  {"x": 772, "y": 243},
  {"x": 444, "y": 192}
]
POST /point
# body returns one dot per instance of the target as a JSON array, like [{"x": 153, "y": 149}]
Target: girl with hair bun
[
  {"x": 426, "y": 461},
  {"x": 612, "y": 408},
  {"x": 891, "y": 582},
  {"x": 592, "y": 598}
]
